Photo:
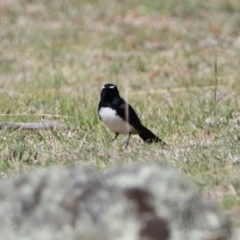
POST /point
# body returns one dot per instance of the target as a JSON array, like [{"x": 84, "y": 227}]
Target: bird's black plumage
[{"x": 120, "y": 117}]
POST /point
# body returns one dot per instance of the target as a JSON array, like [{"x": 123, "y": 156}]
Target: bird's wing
[{"x": 127, "y": 113}]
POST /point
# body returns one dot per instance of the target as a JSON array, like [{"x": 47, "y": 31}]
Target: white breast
[{"x": 114, "y": 122}]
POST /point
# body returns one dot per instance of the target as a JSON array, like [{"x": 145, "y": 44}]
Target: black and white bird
[{"x": 120, "y": 117}]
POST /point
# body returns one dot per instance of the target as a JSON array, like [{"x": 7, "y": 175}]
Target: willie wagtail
[{"x": 120, "y": 117}]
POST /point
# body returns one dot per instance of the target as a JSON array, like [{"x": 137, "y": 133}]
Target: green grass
[{"x": 176, "y": 62}]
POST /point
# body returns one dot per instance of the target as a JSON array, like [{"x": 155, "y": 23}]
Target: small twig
[
  {"x": 215, "y": 89},
  {"x": 30, "y": 114},
  {"x": 33, "y": 126}
]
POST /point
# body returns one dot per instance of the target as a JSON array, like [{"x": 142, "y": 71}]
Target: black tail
[{"x": 149, "y": 137}]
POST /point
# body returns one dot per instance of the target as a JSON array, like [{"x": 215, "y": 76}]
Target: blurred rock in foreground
[{"x": 148, "y": 201}]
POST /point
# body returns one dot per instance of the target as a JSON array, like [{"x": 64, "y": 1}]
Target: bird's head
[{"x": 109, "y": 91}]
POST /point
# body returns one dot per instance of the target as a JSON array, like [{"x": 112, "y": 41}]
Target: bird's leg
[
  {"x": 115, "y": 137},
  {"x": 127, "y": 142}
]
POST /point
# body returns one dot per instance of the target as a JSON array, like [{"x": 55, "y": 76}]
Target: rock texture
[{"x": 139, "y": 202}]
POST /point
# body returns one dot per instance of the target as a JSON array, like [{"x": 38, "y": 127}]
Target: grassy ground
[{"x": 176, "y": 62}]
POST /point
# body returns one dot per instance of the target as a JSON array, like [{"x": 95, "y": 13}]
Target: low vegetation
[{"x": 176, "y": 62}]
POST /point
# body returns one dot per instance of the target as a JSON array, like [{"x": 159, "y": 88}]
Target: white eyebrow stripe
[{"x": 113, "y": 86}]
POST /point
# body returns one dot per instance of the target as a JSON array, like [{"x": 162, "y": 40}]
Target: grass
[{"x": 176, "y": 62}]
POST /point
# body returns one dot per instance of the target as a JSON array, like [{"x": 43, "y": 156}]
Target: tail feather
[{"x": 149, "y": 137}]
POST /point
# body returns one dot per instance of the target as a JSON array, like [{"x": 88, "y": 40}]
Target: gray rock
[{"x": 140, "y": 202}]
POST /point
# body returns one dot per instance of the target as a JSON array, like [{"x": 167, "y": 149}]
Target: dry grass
[{"x": 56, "y": 55}]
